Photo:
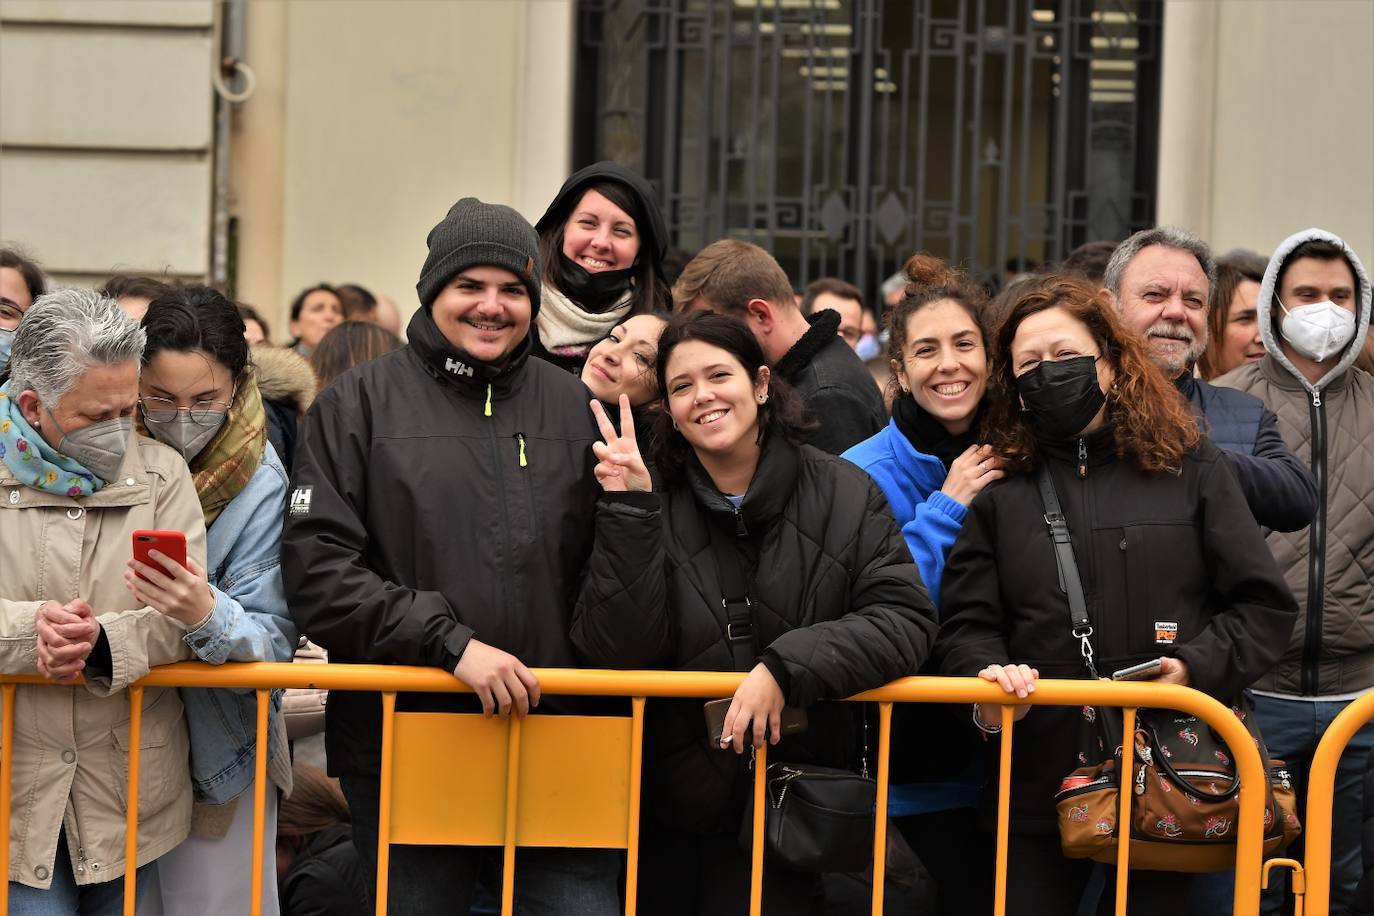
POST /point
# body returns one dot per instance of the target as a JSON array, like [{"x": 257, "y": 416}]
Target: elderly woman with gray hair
[{"x": 76, "y": 481}]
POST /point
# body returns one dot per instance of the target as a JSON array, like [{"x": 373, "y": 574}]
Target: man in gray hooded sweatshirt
[{"x": 1314, "y": 307}]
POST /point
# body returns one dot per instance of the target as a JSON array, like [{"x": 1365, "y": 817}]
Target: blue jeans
[
  {"x": 440, "y": 880},
  {"x": 66, "y": 898},
  {"x": 1291, "y": 730}
]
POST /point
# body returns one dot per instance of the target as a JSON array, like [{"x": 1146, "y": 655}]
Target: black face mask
[
  {"x": 594, "y": 292},
  {"x": 1062, "y": 397}
]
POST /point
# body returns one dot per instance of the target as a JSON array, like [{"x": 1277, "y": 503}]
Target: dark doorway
[{"x": 844, "y": 135}]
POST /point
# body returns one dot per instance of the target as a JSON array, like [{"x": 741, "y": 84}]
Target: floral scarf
[{"x": 35, "y": 463}]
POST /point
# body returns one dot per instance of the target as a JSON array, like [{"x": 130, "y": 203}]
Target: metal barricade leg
[
  {"x": 760, "y": 806},
  {"x": 512, "y": 809},
  {"x": 259, "y": 799},
  {"x": 632, "y": 843},
  {"x": 131, "y": 817},
  {"x": 880, "y": 819},
  {"x": 384, "y": 799}
]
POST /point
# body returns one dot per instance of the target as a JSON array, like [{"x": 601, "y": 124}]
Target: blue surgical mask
[
  {"x": 868, "y": 347},
  {"x": 6, "y": 344}
]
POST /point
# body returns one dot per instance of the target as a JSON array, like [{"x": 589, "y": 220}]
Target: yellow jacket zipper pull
[
  {"x": 520, "y": 438},
  {"x": 487, "y": 411}
]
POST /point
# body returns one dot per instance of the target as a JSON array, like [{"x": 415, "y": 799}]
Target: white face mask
[{"x": 1319, "y": 330}]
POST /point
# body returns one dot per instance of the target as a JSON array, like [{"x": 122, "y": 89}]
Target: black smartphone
[
  {"x": 792, "y": 720},
  {"x": 1141, "y": 672}
]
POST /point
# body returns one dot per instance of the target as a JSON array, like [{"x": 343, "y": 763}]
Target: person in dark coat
[
  {"x": 835, "y": 604},
  {"x": 441, "y": 516},
  {"x": 1172, "y": 564},
  {"x": 601, "y": 243},
  {"x": 1161, "y": 280},
  {"x": 288, "y": 387},
  {"x": 318, "y": 869},
  {"x": 743, "y": 281}
]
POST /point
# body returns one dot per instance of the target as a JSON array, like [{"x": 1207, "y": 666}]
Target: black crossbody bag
[{"x": 819, "y": 819}]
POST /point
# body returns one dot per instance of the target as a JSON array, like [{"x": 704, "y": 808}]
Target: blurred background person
[
  {"x": 318, "y": 869},
  {"x": 198, "y": 396},
  {"x": 133, "y": 292},
  {"x": 358, "y": 302},
  {"x": 255, "y": 328},
  {"x": 1089, "y": 260},
  {"x": 288, "y": 389},
  {"x": 347, "y": 345},
  {"x": 314, "y": 311},
  {"x": 602, "y": 242},
  {"x": 841, "y": 297},
  {"x": 21, "y": 282}
]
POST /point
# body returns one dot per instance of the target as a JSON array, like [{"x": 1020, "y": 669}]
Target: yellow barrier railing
[
  {"x": 637, "y": 685},
  {"x": 1321, "y": 794}
]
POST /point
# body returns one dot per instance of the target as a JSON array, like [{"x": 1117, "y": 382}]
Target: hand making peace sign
[{"x": 619, "y": 465}]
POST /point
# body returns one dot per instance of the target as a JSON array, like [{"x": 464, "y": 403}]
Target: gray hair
[
  {"x": 1169, "y": 237},
  {"x": 66, "y": 333}
]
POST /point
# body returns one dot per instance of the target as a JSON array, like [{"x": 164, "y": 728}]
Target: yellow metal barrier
[
  {"x": 1321, "y": 794},
  {"x": 405, "y": 816}
]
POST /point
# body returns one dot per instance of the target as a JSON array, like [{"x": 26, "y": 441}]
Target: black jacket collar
[
  {"x": 825, "y": 325},
  {"x": 447, "y": 363},
  {"x": 774, "y": 481},
  {"x": 1101, "y": 447}
]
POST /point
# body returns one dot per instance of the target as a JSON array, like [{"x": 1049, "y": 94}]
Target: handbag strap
[
  {"x": 1069, "y": 582},
  {"x": 740, "y": 633}
]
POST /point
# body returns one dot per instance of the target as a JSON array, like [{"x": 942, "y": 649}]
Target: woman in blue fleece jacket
[
  {"x": 926, "y": 459},
  {"x": 929, "y": 465}
]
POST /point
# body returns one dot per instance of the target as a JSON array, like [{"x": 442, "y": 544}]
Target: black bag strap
[
  {"x": 1069, "y": 581},
  {"x": 740, "y": 633}
]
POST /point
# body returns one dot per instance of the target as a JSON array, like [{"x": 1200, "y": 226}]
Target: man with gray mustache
[{"x": 1161, "y": 280}]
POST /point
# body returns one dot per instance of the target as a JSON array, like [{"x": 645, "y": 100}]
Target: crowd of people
[{"x": 590, "y": 452}]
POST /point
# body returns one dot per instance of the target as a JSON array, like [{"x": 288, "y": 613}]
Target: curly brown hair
[
  {"x": 930, "y": 280},
  {"x": 1154, "y": 426}
]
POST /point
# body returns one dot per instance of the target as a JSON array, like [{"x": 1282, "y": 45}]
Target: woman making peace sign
[{"x": 834, "y": 602}]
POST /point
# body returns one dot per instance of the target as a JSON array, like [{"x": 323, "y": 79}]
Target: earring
[
  {"x": 675, "y": 426},
  {"x": 763, "y": 397}
]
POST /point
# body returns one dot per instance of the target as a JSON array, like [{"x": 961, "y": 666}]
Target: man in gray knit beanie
[{"x": 441, "y": 513}]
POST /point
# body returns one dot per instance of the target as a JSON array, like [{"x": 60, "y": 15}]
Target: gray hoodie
[{"x": 1330, "y": 564}]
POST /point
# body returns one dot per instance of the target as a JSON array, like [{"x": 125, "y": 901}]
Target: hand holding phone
[
  {"x": 1144, "y": 671},
  {"x": 171, "y": 544}
]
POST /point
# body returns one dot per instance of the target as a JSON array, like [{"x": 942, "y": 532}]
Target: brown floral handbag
[{"x": 1187, "y": 790}]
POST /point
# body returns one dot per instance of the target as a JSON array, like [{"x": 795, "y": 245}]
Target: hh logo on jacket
[
  {"x": 457, "y": 368},
  {"x": 300, "y": 501}
]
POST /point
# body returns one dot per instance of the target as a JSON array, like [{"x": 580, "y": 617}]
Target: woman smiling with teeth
[
  {"x": 755, "y": 554},
  {"x": 602, "y": 242}
]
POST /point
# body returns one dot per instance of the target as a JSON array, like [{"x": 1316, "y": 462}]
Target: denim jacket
[{"x": 250, "y": 623}]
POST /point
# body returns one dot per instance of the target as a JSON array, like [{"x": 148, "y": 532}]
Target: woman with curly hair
[{"x": 1173, "y": 565}]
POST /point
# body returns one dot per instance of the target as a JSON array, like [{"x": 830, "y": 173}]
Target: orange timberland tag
[{"x": 1166, "y": 631}]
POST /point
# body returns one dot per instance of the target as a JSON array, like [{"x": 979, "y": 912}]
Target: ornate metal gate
[{"x": 843, "y": 135}]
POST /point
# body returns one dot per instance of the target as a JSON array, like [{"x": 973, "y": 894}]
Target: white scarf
[{"x": 568, "y": 330}]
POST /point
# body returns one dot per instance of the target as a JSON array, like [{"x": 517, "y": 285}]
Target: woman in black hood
[{"x": 602, "y": 242}]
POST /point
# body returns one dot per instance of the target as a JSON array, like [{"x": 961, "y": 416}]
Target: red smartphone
[{"x": 170, "y": 544}]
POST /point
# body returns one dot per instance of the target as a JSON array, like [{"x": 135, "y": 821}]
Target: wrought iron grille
[{"x": 844, "y": 135}]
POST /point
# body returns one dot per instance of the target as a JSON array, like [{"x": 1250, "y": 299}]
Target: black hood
[{"x": 654, "y": 235}]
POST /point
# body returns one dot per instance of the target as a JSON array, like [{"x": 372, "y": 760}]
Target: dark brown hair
[
  {"x": 729, "y": 273},
  {"x": 832, "y": 285},
  {"x": 315, "y": 803},
  {"x": 141, "y": 287},
  {"x": 1153, "y": 425},
  {"x": 349, "y": 344},
  {"x": 930, "y": 280},
  {"x": 248, "y": 313},
  {"x": 783, "y": 414},
  {"x": 31, "y": 273},
  {"x": 1089, "y": 260}
]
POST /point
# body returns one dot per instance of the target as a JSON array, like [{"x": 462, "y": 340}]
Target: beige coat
[{"x": 70, "y": 743}]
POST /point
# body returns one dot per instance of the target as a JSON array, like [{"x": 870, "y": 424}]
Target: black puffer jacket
[
  {"x": 837, "y": 604},
  {"x": 435, "y": 500},
  {"x": 835, "y": 384},
  {"x": 1171, "y": 565}
]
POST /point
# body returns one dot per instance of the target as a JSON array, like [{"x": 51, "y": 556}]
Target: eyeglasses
[{"x": 203, "y": 413}]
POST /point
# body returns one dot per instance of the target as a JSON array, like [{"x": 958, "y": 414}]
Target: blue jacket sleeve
[
  {"x": 930, "y": 534},
  {"x": 1278, "y": 487},
  {"x": 250, "y": 621}
]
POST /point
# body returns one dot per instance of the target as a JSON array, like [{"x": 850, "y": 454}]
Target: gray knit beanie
[{"x": 475, "y": 234}]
